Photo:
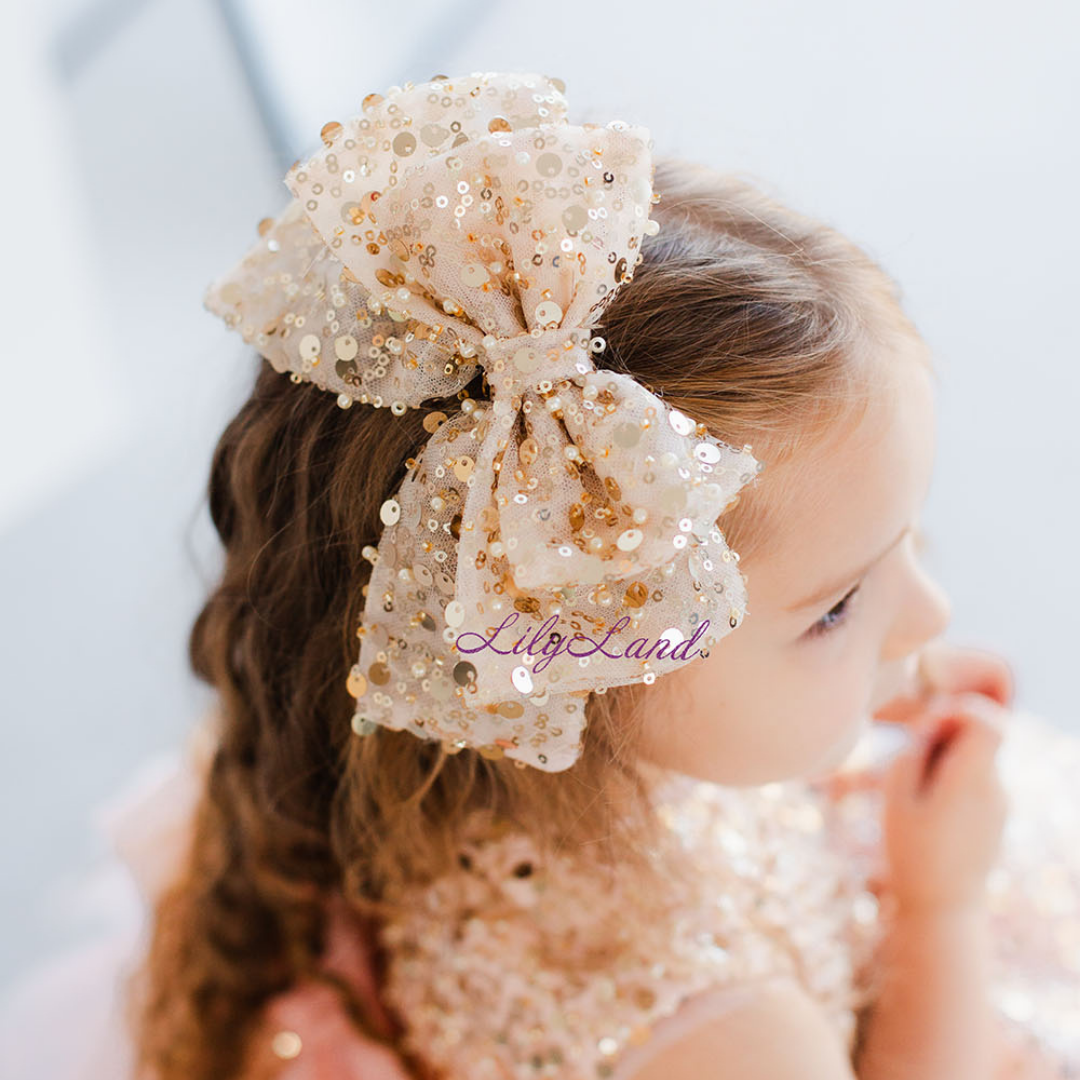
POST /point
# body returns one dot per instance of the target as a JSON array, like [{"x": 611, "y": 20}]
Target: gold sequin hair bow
[{"x": 559, "y": 536}]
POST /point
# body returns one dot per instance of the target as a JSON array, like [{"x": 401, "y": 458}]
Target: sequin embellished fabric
[
  {"x": 560, "y": 533},
  {"x": 498, "y": 973},
  {"x": 506, "y": 968}
]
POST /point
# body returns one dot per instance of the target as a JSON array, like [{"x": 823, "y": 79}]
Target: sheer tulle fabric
[{"x": 560, "y": 534}]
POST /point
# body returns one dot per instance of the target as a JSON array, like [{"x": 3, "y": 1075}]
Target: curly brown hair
[{"x": 756, "y": 320}]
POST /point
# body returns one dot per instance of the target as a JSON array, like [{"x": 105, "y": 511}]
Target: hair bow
[{"x": 561, "y": 536}]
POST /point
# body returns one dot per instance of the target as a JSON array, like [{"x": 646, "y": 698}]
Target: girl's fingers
[
  {"x": 840, "y": 784},
  {"x": 961, "y": 741},
  {"x": 901, "y": 709},
  {"x": 949, "y": 668},
  {"x": 901, "y": 782},
  {"x": 945, "y": 669},
  {"x": 954, "y": 734}
]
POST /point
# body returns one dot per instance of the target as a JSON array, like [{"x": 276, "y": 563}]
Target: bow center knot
[{"x": 524, "y": 361}]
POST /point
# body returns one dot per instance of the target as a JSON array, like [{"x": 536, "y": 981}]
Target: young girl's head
[{"x": 767, "y": 326}]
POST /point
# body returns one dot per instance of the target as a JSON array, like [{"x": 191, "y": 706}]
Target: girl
[{"x": 712, "y": 887}]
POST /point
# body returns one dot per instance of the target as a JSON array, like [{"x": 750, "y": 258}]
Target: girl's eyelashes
[
  {"x": 838, "y": 614},
  {"x": 833, "y": 617}
]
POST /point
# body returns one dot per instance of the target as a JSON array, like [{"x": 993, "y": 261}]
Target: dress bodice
[
  {"x": 510, "y": 966},
  {"x": 499, "y": 972}
]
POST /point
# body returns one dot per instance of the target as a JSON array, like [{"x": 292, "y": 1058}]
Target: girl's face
[{"x": 838, "y": 607}]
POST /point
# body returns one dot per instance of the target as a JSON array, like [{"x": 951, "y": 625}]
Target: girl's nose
[
  {"x": 907, "y": 695},
  {"x": 896, "y": 678}
]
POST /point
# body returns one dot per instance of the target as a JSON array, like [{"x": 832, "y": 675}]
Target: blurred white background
[{"x": 144, "y": 139}]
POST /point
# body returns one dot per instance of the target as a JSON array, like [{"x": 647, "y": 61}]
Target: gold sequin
[
  {"x": 464, "y": 673},
  {"x": 356, "y": 684},
  {"x": 528, "y": 451},
  {"x": 404, "y": 143}
]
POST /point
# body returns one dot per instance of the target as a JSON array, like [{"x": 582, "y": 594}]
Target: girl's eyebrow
[{"x": 823, "y": 594}]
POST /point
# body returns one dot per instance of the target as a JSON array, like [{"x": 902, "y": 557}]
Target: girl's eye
[{"x": 833, "y": 617}]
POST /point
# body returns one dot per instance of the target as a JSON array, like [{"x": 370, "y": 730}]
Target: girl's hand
[
  {"x": 944, "y": 668},
  {"x": 945, "y": 806},
  {"x": 941, "y": 668}
]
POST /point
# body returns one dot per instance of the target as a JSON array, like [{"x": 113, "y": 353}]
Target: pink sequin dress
[{"x": 508, "y": 968}]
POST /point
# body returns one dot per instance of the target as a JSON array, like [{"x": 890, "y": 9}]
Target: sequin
[
  {"x": 526, "y": 360},
  {"x": 464, "y": 673},
  {"x": 548, "y": 312},
  {"x": 362, "y": 726},
  {"x": 286, "y": 1045},
  {"x": 474, "y": 276},
  {"x": 528, "y": 451},
  {"x": 356, "y": 683},
  {"x": 404, "y": 144},
  {"x": 310, "y": 346},
  {"x": 682, "y": 424},
  {"x": 346, "y": 347}
]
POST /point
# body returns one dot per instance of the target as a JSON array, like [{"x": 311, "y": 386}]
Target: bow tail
[
  {"x": 505, "y": 706},
  {"x": 407, "y": 674}
]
